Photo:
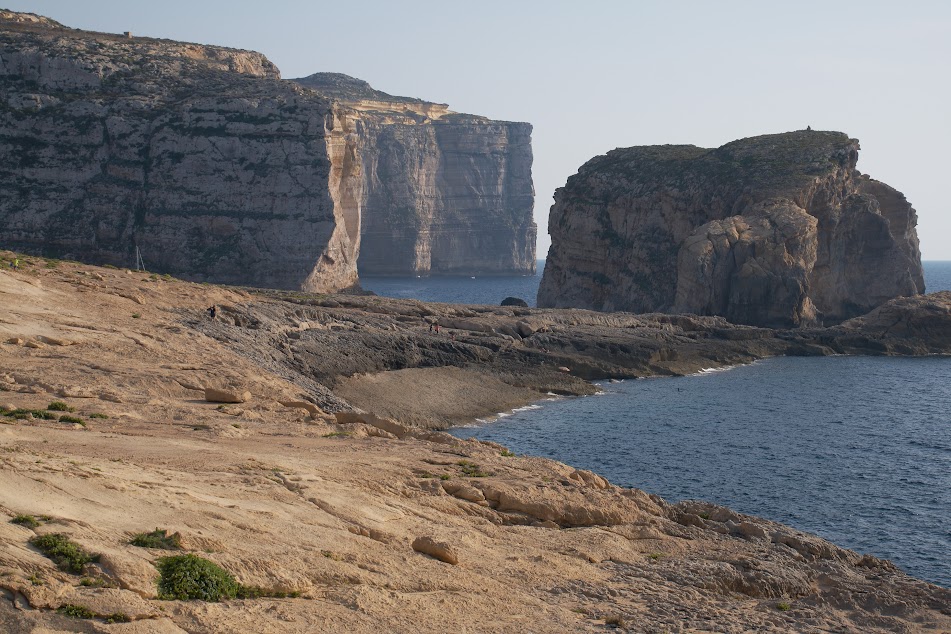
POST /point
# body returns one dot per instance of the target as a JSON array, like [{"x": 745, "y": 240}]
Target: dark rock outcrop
[
  {"x": 778, "y": 230},
  {"x": 214, "y": 168},
  {"x": 444, "y": 193}
]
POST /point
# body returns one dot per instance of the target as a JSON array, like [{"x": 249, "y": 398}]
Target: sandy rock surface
[{"x": 330, "y": 511}]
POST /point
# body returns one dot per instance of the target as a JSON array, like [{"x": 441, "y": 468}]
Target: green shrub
[
  {"x": 59, "y": 406},
  {"x": 159, "y": 538},
  {"x": 76, "y": 611},
  {"x": 117, "y": 617},
  {"x": 186, "y": 577},
  {"x": 472, "y": 470},
  {"x": 66, "y": 418},
  {"x": 782, "y": 606},
  {"x": 507, "y": 454},
  {"x": 98, "y": 415},
  {"x": 68, "y": 555},
  {"x": 25, "y": 520}
]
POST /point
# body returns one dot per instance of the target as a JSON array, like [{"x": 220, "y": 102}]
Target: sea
[{"x": 854, "y": 449}]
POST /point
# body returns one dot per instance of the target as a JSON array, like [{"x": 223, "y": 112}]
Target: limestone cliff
[
  {"x": 200, "y": 156},
  {"x": 214, "y": 168},
  {"x": 443, "y": 193},
  {"x": 777, "y": 230}
]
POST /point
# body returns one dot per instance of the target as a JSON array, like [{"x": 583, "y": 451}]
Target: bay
[{"x": 854, "y": 449}]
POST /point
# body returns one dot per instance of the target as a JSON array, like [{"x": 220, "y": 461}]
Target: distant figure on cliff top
[
  {"x": 808, "y": 128},
  {"x": 213, "y": 311},
  {"x": 15, "y": 265}
]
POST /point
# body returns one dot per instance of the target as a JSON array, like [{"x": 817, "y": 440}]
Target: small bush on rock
[
  {"x": 68, "y": 555},
  {"x": 158, "y": 538},
  {"x": 25, "y": 520},
  {"x": 76, "y": 611},
  {"x": 185, "y": 577}
]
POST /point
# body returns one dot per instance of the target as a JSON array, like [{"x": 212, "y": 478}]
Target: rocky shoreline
[{"x": 326, "y": 488}]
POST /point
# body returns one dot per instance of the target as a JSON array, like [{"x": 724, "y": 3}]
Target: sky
[{"x": 596, "y": 75}]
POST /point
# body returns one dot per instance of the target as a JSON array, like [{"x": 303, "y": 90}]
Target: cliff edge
[
  {"x": 202, "y": 160},
  {"x": 198, "y": 156},
  {"x": 778, "y": 230},
  {"x": 444, "y": 193}
]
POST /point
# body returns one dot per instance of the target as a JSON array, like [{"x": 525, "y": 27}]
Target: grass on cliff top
[{"x": 68, "y": 555}]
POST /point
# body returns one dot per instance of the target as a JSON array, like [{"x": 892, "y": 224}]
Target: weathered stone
[
  {"x": 15, "y": 341},
  {"x": 778, "y": 230},
  {"x": 514, "y": 301},
  {"x": 438, "y": 550},
  {"x": 56, "y": 341},
  {"x": 218, "y": 170},
  {"x": 226, "y": 395},
  {"x": 463, "y": 491},
  {"x": 75, "y": 391},
  {"x": 443, "y": 192},
  {"x": 380, "y": 422},
  {"x": 315, "y": 412}
]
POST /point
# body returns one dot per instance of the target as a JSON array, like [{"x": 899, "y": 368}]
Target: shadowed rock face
[
  {"x": 217, "y": 170},
  {"x": 200, "y": 156},
  {"x": 779, "y": 230},
  {"x": 443, "y": 193}
]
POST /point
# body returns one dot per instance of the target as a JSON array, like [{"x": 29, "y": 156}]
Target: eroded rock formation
[
  {"x": 778, "y": 230},
  {"x": 213, "y": 168},
  {"x": 443, "y": 193},
  {"x": 200, "y": 156}
]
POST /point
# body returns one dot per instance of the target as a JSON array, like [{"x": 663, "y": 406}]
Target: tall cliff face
[
  {"x": 216, "y": 169},
  {"x": 778, "y": 230},
  {"x": 200, "y": 156},
  {"x": 443, "y": 193}
]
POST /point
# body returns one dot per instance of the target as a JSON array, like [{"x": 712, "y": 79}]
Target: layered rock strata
[
  {"x": 199, "y": 156},
  {"x": 444, "y": 193},
  {"x": 778, "y": 230},
  {"x": 207, "y": 164}
]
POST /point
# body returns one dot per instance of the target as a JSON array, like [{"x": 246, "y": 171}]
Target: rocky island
[
  {"x": 291, "y": 445},
  {"x": 778, "y": 230},
  {"x": 204, "y": 161}
]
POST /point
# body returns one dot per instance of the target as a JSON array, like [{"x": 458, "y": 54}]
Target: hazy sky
[{"x": 592, "y": 76}]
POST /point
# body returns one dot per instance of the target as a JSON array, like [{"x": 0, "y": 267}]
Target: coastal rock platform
[{"x": 318, "y": 507}]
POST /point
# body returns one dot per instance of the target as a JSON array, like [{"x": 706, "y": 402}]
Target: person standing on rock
[
  {"x": 15, "y": 265},
  {"x": 213, "y": 312}
]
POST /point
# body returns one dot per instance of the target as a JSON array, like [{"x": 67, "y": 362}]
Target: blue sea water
[
  {"x": 855, "y": 449},
  {"x": 458, "y": 290}
]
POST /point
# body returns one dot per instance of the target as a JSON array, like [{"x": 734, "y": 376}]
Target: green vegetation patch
[
  {"x": 117, "y": 617},
  {"x": 24, "y": 414},
  {"x": 159, "y": 538},
  {"x": 782, "y": 606},
  {"x": 98, "y": 415},
  {"x": 76, "y": 611},
  {"x": 185, "y": 577},
  {"x": 59, "y": 406},
  {"x": 25, "y": 520},
  {"x": 472, "y": 470},
  {"x": 68, "y": 555},
  {"x": 66, "y": 418}
]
